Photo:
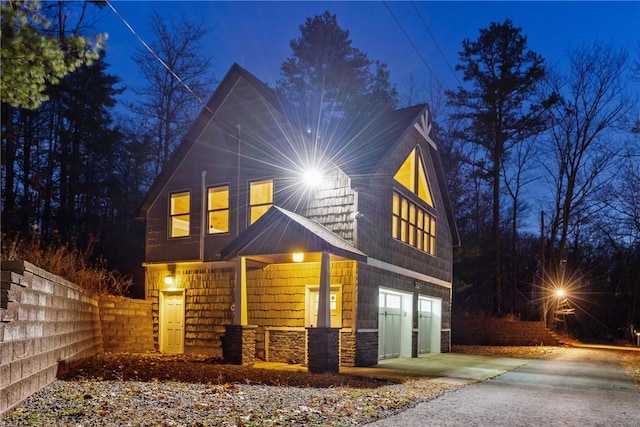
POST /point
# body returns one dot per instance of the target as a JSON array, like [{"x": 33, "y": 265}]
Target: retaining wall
[
  {"x": 476, "y": 329},
  {"x": 127, "y": 325},
  {"x": 48, "y": 324}
]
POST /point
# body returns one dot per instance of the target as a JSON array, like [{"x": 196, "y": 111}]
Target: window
[
  {"x": 179, "y": 208},
  {"x": 411, "y": 223},
  {"x": 413, "y": 176},
  {"x": 260, "y": 198},
  {"x": 218, "y": 210}
]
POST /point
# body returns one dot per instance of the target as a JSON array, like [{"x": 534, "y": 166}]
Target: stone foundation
[
  {"x": 239, "y": 344},
  {"x": 324, "y": 352},
  {"x": 366, "y": 348}
]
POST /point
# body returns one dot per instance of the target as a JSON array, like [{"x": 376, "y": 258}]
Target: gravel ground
[{"x": 159, "y": 390}]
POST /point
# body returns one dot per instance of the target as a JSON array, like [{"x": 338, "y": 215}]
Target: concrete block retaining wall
[
  {"x": 48, "y": 324},
  {"x": 127, "y": 325},
  {"x": 476, "y": 329}
]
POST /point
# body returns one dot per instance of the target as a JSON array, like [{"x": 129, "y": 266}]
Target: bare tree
[
  {"x": 177, "y": 76},
  {"x": 517, "y": 175},
  {"x": 583, "y": 145}
]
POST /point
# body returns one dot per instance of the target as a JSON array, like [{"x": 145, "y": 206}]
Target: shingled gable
[
  {"x": 207, "y": 115},
  {"x": 369, "y": 147},
  {"x": 280, "y": 231}
]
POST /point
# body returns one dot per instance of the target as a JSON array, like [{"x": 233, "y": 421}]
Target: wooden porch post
[
  {"x": 324, "y": 310},
  {"x": 240, "y": 297}
]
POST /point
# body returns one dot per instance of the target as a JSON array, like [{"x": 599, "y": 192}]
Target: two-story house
[{"x": 250, "y": 257}]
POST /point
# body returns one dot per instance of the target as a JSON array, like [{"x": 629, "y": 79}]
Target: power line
[
  {"x": 155, "y": 55},
  {"x": 424, "y": 61},
  {"x": 424, "y": 23}
]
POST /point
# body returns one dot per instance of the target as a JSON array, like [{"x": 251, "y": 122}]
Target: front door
[
  {"x": 335, "y": 306},
  {"x": 172, "y": 322}
]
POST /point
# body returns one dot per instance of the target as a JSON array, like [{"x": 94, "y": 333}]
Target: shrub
[{"x": 67, "y": 261}]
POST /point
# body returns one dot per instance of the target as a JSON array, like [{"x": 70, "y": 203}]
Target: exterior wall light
[
  {"x": 170, "y": 280},
  {"x": 312, "y": 178},
  {"x": 298, "y": 256}
]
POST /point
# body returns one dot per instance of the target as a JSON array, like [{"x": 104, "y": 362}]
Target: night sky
[{"x": 419, "y": 39}]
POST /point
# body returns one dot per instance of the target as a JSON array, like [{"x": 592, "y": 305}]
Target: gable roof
[
  {"x": 206, "y": 116},
  {"x": 372, "y": 141},
  {"x": 368, "y": 142},
  {"x": 280, "y": 231}
]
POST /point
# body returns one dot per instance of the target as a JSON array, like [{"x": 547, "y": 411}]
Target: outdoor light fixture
[
  {"x": 312, "y": 177},
  {"x": 560, "y": 292},
  {"x": 169, "y": 280},
  {"x": 298, "y": 257}
]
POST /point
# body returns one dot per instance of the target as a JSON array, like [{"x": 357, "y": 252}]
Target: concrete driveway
[
  {"x": 573, "y": 387},
  {"x": 445, "y": 367}
]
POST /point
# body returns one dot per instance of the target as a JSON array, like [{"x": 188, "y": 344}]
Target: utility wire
[
  {"x": 426, "y": 27},
  {"x": 424, "y": 61},
  {"x": 155, "y": 55}
]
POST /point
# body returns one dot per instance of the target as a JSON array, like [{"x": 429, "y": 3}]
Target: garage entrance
[
  {"x": 429, "y": 319},
  {"x": 394, "y": 324}
]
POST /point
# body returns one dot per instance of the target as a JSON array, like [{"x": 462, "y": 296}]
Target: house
[{"x": 246, "y": 259}]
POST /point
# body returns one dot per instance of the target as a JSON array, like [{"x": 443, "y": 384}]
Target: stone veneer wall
[
  {"x": 287, "y": 346},
  {"x": 48, "y": 324}
]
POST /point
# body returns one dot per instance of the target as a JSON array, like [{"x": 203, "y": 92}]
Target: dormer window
[
  {"x": 412, "y": 223},
  {"x": 179, "y": 214},
  {"x": 260, "y": 198}
]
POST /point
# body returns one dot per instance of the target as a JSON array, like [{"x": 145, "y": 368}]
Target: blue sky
[{"x": 256, "y": 35}]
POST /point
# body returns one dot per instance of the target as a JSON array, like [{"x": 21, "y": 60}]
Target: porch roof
[{"x": 280, "y": 231}]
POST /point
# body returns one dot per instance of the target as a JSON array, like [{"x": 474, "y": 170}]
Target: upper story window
[
  {"x": 179, "y": 214},
  {"x": 260, "y": 198},
  {"x": 218, "y": 210},
  {"x": 413, "y": 176},
  {"x": 411, "y": 222}
]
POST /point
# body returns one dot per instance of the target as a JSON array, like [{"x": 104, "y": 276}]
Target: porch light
[
  {"x": 312, "y": 177},
  {"x": 560, "y": 292},
  {"x": 298, "y": 256},
  {"x": 170, "y": 280}
]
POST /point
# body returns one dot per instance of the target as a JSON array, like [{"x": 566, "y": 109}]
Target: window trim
[
  {"x": 415, "y": 184},
  {"x": 173, "y": 215},
  {"x": 407, "y": 229},
  {"x": 208, "y": 211},
  {"x": 269, "y": 204}
]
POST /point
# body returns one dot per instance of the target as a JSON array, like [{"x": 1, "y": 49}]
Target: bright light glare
[
  {"x": 560, "y": 292},
  {"x": 312, "y": 178}
]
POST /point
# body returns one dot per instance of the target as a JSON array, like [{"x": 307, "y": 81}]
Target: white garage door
[{"x": 389, "y": 325}]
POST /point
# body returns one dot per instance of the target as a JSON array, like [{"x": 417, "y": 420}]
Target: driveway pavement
[{"x": 573, "y": 387}]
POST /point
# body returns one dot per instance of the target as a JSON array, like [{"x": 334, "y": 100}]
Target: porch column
[
  {"x": 240, "y": 297},
  {"x": 324, "y": 341},
  {"x": 239, "y": 341},
  {"x": 324, "y": 309}
]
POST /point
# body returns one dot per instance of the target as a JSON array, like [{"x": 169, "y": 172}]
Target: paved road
[{"x": 575, "y": 387}]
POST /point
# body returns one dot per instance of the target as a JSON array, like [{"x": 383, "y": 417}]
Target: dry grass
[
  {"x": 520, "y": 352},
  {"x": 203, "y": 369},
  {"x": 67, "y": 261},
  {"x": 631, "y": 365}
]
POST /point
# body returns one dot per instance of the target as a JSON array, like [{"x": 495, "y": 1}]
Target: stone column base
[
  {"x": 323, "y": 350},
  {"x": 239, "y": 344}
]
